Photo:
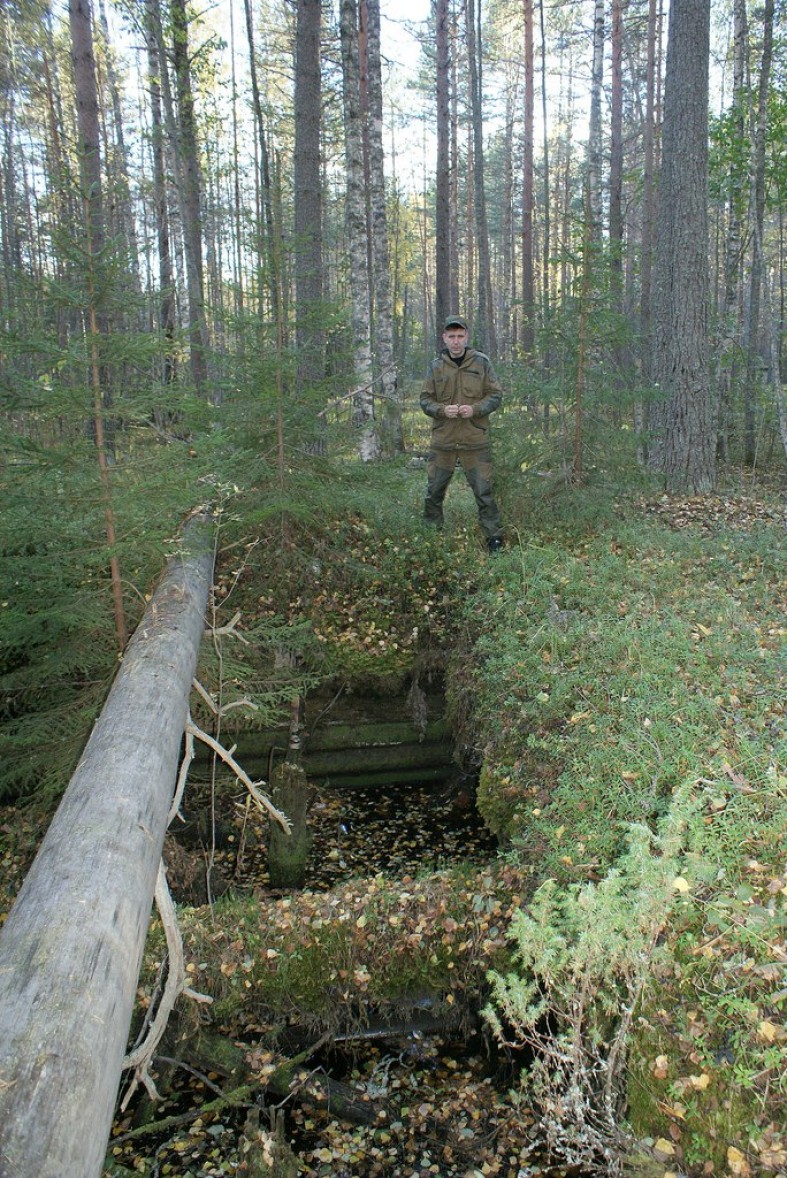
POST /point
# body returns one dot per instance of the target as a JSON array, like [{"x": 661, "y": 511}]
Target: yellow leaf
[
  {"x": 661, "y": 1067},
  {"x": 664, "y": 1148},
  {"x": 681, "y": 885},
  {"x": 769, "y": 1031},
  {"x": 700, "y": 1082},
  {"x": 737, "y": 1162},
  {"x": 361, "y": 922},
  {"x": 561, "y": 830},
  {"x": 706, "y": 633}
]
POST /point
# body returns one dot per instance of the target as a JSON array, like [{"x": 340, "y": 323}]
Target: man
[{"x": 459, "y": 393}]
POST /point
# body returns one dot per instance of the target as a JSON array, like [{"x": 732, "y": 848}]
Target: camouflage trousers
[{"x": 477, "y": 468}]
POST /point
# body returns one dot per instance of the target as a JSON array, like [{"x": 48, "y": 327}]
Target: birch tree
[
  {"x": 357, "y": 234},
  {"x": 442, "y": 174},
  {"x": 383, "y": 319}
]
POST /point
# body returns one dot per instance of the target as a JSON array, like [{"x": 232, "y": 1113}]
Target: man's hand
[{"x": 459, "y": 410}]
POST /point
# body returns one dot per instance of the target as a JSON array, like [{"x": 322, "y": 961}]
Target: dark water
[{"x": 395, "y": 832}]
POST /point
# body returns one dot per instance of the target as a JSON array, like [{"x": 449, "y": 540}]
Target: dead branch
[
  {"x": 139, "y": 1059},
  {"x": 264, "y": 804}
]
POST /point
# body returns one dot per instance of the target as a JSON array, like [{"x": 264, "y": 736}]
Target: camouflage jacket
[{"x": 473, "y": 382}]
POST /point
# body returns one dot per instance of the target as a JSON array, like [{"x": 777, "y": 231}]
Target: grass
[{"x": 614, "y": 670}]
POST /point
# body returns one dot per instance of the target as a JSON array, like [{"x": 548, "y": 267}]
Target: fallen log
[{"x": 71, "y": 948}]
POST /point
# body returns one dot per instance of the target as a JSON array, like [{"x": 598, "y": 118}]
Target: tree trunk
[
  {"x": 71, "y": 948},
  {"x": 595, "y": 146},
  {"x": 684, "y": 441},
  {"x": 166, "y": 309},
  {"x": 729, "y": 331},
  {"x": 442, "y": 288},
  {"x": 288, "y": 850},
  {"x": 759, "y": 130},
  {"x": 357, "y": 232},
  {"x": 121, "y": 182},
  {"x": 309, "y": 310},
  {"x": 89, "y": 149},
  {"x": 616, "y": 165},
  {"x": 381, "y": 271},
  {"x": 527, "y": 331},
  {"x": 546, "y": 250},
  {"x": 90, "y": 174},
  {"x": 266, "y": 188},
  {"x": 189, "y": 187},
  {"x": 484, "y": 324},
  {"x": 649, "y": 190}
]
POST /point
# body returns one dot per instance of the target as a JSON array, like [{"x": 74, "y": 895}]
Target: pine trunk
[
  {"x": 754, "y": 350},
  {"x": 309, "y": 311},
  {"x": 684, "y": 440},
  {"x": 189, "y": 186},
  {"x": 527, "y": 330},
  {"x": 166, "y": 308},
  {"x": 484, "y": 324},
  {"x": 729, "y": 332}
]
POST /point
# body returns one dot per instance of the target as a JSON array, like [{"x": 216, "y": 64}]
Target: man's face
[{"x": 455, "y": 339}]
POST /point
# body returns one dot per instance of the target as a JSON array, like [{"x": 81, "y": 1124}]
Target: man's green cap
[{"x": 455, "y": 321}]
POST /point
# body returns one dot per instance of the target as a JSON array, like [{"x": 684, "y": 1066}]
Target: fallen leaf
[
  {"x": 737, "y": 1162},
  {"x": 769, "y": 1031},
  {"x": 663, "y": 1148}
]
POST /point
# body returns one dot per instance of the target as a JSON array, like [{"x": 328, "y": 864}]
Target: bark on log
[{"x": 71, "y": 948}]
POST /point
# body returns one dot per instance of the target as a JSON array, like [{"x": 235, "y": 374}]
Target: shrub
[{"x": 585, "y": 957}]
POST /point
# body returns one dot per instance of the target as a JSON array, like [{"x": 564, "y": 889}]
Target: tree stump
[{"x": 288, "y": 854}]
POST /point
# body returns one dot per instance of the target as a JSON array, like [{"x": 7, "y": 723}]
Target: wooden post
[{"x": 71, "y": 949}]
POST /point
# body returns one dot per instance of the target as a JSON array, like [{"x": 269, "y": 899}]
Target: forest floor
[{"x": 445, "y": 1107}]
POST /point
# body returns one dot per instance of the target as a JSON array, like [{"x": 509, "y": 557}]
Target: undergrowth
[
  {"x": 608, "y": 678},
  {"x": 615, "y": 666}
]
